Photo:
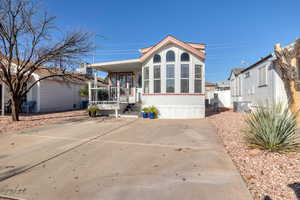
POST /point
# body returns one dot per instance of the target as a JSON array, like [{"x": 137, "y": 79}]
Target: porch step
[
  {"x": 129, "y": 116},
  {"x": 132, "y": 107}
]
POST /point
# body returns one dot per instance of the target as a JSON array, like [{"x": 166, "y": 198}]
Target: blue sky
[{"x": 235, "y": 31}]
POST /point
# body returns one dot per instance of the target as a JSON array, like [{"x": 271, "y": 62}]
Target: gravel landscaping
[
  {"x": 31, "y": 121},
  {"x": 266, "y": 174}
]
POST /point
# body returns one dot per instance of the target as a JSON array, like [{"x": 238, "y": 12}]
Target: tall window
[
  {"x": 156, "y": 58},
  {"x": 198, "y": 78},
  {"x": 262, "y": 73},
  {"x": 185, "y": 57},
  {"x": 170, "y": 74},
  {"x": 146, "y": 80},
  {"x": 184, "y": 78},
  {"x": 170, "y": 57},
  {"x": 156, "y": 73}
]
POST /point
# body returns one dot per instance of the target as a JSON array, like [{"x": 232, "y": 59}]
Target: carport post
[
  {"x": 118, "y": 90},
  {"x": 116, "y": 112},
  {"x": 90, "y": 92}
]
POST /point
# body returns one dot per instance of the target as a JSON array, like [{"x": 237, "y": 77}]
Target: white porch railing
[{"x": 109, "y": 94}]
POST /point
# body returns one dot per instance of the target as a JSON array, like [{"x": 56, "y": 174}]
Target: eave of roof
[
  {"x": 129, "y": 61},
  {"x": 235, "y": 71},
  {"x": 258, "y": 62},
  {"x": 170, "y": 39},
  {"x": 194, "y": 45},
  {"x": 117, "y": 66}
]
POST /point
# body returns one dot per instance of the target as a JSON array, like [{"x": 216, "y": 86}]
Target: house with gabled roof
[
  {"x": 258, "y": 84},
  {"x": 168, "y": 75},
  {"x": 49, "y": 95}
]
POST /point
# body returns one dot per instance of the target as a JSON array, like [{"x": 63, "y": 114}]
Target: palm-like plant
[{"x": 273, "y": 128}]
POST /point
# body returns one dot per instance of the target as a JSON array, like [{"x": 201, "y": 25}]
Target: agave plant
[{"x": 273, "y": 128}]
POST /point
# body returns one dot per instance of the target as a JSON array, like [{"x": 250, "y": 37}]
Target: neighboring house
[
  {"x": 223, "y": 85},
  {"x": 84, "y": 69},
  {"x": 52, "y": 94},
  {"x": 168, "y": 75},
  {"x": 258, "y": 84},
  {"x": 218, "y": 94},
  {"x": 235, "y": 84},
  {"x": 210, "y": 86}
]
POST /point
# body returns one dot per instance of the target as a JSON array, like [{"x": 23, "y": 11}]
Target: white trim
[{"x": 130, "y": 61}]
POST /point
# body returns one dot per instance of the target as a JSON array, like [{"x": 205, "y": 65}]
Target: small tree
[
  {"x": 84, "y": 92},
  {"x": 28, "y": 41}
]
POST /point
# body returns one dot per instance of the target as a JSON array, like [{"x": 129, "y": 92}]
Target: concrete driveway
[{"x": 126, "y": 159}]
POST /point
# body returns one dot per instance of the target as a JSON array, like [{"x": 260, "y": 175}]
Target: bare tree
[
  {"x": 285, "y": 57},
  {"x": 287, "y": 61},
  {"x": 28, "y": 42}
]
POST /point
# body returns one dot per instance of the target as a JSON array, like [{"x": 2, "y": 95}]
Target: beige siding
[{"x": 59, "y": 96}]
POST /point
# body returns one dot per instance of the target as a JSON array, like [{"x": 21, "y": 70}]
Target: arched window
[
  {"x": 156, "y": 58},
  {"x": 185, "y": 57},
  {"x": 170, "y": 57}
]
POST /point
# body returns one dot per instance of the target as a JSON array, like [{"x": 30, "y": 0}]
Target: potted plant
[
  {"x": 153, "y": 112},
  {"x": 145, "y": 112},
  {"x": 93, "y": 110}
]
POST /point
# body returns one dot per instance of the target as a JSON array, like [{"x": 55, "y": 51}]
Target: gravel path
[{"x": 266, "y": 174}]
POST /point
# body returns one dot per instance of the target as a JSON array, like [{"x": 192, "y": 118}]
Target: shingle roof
[
  {"x": 237, "y": 71},
  {"x": 74, "y": 77}
]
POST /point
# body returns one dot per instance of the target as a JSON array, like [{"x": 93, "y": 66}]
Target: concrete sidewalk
[
  {"x": 20, "y": 152},
  {"x": 142, "y": 159}
]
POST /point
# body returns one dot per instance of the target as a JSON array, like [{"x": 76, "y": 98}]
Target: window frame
[
  {"x": 185, "y": 78},
  {"x": 170, "y": 79},
  {"x": 185, "y": 53},
  {"x": 156, "y": 79},
  {"x": 198, "y": 78},
  {"x": 173, "y": 54},
  {"x": 156, "y": 56},
  {"x": 262, "y": 83},
  {"x": 146, "y": 80},
  {"x": 247, "y": 74}
]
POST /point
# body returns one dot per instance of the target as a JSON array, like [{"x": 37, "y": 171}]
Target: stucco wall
[
  {"x": 223, "y": 100},
  {"x": 59, "y": 96},
  {"x": 177, "y": 106}
]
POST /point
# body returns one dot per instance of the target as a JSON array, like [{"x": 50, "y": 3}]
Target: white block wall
[{"x": 177, "y": 106}]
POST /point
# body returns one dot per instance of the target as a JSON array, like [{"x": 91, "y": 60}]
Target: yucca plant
[{"x": 273, "y": 128}]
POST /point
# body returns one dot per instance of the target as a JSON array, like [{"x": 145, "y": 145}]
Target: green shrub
[
  {"x": 154, "y": 110},
  {"x": 273, "y": 128},
  {"x": 146, "y": 110},
  {"x": 93, "y": 110}
]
